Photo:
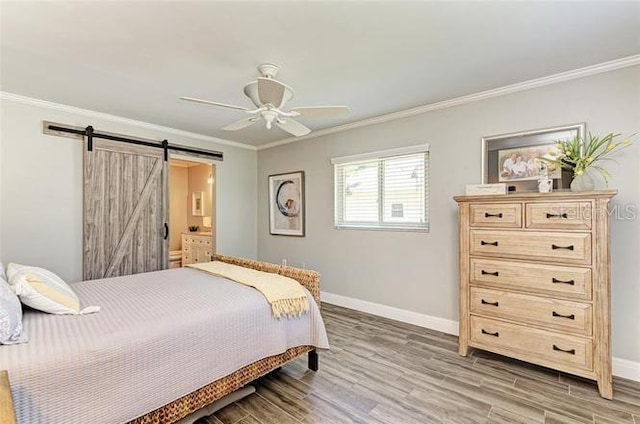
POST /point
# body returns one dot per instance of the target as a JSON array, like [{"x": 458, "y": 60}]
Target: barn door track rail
[{"x": 90, "y": 134}]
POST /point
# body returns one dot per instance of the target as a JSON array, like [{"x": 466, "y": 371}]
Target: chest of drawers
[
  {"x": 535, "y": 280},
  {"x": 197, "y": 247}
]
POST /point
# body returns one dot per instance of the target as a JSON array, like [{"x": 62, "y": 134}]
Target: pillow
[
  {"x": 10, "y": 316},
  {"x": 44, "y": 290},
  {"x": 3, "y": 276}
]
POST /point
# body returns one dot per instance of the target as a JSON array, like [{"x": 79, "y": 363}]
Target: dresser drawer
[
  {"x": 495, "y": 215},
  {"x": 546, "y": 246},
  {"x": 559, "y": 351},
  {"x": 197, "y": 248},
  {"x": 559, "y": 216},
  {"x": 197, "y": 240},
  {"x": 562, "y": 315},
  {"x": 553, "y": 280}
]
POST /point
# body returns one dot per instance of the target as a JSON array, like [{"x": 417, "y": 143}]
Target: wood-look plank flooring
[{"x": 384, "y": 371}]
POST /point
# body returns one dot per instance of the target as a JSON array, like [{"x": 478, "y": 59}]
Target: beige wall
[
  {"x": 198, "y": 176},
  {"x": 184, "y": 180},
  {"x": 41, "y": 188},
  {"x": 178, "y": 197},
  {"x": 418, "y": 271}
]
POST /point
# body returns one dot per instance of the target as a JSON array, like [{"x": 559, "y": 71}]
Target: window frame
[{"x": 380, "y": 156}]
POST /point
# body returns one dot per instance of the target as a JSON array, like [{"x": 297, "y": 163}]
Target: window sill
[{"x": 374, "y": 228}]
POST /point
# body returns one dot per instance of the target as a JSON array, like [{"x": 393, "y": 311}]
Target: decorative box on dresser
[
  {"x": 197, "y": 247},
  {"x": 535, "y": 280}
]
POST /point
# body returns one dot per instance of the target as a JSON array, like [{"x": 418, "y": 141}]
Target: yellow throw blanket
[{"x": 285, "y": 295}]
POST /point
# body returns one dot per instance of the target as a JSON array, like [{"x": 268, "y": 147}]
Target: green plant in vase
[
  {"x": 580, "y": 156},
  {"x": 193, "y": 228}
]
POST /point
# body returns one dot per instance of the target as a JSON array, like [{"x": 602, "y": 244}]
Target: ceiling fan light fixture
[{"x": 269, "y": 116}]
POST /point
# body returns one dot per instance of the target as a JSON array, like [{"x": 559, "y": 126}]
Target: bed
[{"x": 164, "y": 345}]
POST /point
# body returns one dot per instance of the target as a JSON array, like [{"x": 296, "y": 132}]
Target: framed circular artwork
[{"x": 286, "y": 204}]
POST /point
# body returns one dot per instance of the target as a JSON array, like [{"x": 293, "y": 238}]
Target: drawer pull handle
[
  {"x": 555, "y": 246},
  {"x": 496, "y": 334},
  {"x": 491, "y": 243},
  {"x": 495, "y": 274},
  {"x": 556, "y": 281},
  {"x": 570, "y": 351},
  {"x": 558, "y": 215},
  {"x": 555, "y": 314},
  {"x": 484, "y": 302},
  {"x": 493, "y": 215}
]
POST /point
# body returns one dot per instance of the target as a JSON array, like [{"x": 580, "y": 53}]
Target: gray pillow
[{"x": 10, "y": 316}]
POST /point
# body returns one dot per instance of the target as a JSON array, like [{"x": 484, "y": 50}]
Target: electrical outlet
[{"x": 284, "y": 262}]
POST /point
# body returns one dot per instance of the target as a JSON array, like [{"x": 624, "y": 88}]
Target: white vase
[{"x": 583, "y": 182}]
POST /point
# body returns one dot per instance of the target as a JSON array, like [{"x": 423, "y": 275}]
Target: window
[{"x": 383, "y": 190}]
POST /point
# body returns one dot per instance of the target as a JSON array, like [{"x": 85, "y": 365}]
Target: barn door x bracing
[{"x": 125, "y": 210}]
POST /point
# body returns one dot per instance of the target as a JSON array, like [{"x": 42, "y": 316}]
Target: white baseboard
[
  {"x": 402, "y": 315},
  {"x": 626, "y": 369},
  {"x": 621, "y": 367}
]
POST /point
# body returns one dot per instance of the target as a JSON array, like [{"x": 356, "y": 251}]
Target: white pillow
[
  {"x": 44, "y": 290},
  {"x": 10, "y": 316},
  {"x": 3, "y": 276}
]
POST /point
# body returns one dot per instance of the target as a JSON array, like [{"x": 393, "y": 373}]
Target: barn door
[{"x": 125, "y": 210}]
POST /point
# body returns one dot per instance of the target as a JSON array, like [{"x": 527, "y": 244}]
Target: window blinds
[{"x": 383, "y": 190}]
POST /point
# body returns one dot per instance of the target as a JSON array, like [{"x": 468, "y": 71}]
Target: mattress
[{"x": 158, "y": 337}]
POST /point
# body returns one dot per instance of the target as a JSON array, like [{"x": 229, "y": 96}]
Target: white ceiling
[{"x": 134, "y": 59}]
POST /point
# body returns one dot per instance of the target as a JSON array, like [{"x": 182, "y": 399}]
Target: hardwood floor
[{"x": 384, "y": 371}]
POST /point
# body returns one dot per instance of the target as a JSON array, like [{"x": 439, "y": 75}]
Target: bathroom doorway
[{"x": 192, "y": 211}]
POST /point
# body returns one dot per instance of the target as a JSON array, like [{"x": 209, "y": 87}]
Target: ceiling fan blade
[
  {"x": 322, "y": 112},
  {"x": 293, "y": 127},
  {"x": 271, "y": 91},
  {"x": 238, "y": 125},
  {"x": 207, "y": 102}
]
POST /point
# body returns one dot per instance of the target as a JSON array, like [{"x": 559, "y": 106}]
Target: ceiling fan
[{"x": 269, "y": 97}]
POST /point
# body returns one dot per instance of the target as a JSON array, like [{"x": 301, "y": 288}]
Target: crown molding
[
  {"x": 501, "y": 91},
  {"x": 118, "y": 119},
  {"x": 496, "y": 92}
]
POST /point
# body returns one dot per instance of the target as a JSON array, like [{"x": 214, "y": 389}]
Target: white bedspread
[{"x": 159, "y": 336}]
